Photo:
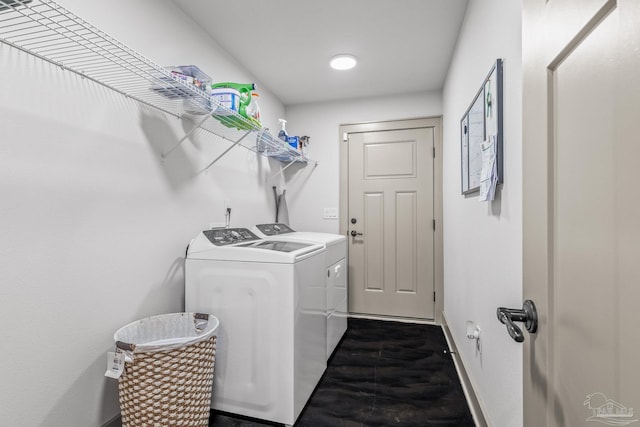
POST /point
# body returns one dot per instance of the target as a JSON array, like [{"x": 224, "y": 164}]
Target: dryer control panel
[
  {"x": 274, "y": 229},
  {"x": 229, "y": 236}
]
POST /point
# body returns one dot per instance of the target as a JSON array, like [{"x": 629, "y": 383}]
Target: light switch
[{"x": 330, "y": 213}]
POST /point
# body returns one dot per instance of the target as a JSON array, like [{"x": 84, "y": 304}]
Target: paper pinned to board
[{"x": 489, "y": 172}]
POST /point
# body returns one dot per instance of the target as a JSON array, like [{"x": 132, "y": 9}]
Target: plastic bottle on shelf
[
  {"x": 293, "y": 142},
  {"x": 283, "y": 132},
  {"x": 262, "y": 140},
  {"x": 304, "y": 143},
  {"x": 253, "y": 109}
]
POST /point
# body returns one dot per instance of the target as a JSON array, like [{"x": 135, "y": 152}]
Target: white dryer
[
  {"x": 270, "y": 299},
  {"x": 336, "y": 264}
]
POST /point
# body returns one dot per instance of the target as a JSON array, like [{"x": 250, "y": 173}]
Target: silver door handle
[
  {"x": 354, "y": 233},
  {"x": 528, "y": 315}
]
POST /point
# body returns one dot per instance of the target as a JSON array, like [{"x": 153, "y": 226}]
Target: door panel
[
  {"x": 581, "y": 245},
  {"x": 388, "y": 160},
  {"x": 373, "y": 251},
  {"x": 406, "y": 232},
  {"x": 391, "y": 198}
]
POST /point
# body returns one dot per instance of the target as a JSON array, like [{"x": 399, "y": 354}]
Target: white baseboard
[
  {"x": 392, "y": 319},
  {"x": 475, "y": 406}
]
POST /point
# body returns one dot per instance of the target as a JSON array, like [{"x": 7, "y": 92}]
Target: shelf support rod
[
  {"x": 281, "y": 171},
  {"x": 187, "y": 135},
  {"x": 225, "y": 151}
]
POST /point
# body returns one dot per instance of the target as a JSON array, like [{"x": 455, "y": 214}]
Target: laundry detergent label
[{"x": 115, "y": 364}]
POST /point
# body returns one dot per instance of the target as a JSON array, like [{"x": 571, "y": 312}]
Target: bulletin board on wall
[{"x": 482, "y": 122}]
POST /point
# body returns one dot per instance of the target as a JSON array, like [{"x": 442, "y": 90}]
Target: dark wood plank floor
[{"x": 382, "y": 374}]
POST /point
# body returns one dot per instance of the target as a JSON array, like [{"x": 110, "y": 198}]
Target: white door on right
[{"x": 581, "y": 166}]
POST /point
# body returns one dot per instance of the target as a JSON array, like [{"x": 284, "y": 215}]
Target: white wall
[
  {"x": 483, "y": 242},
  {"x": 94, "y": 224},
  {"x": 321, "y": 188}
]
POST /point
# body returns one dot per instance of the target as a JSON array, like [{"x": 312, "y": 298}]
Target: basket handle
[{"x": 125, "y": 346}]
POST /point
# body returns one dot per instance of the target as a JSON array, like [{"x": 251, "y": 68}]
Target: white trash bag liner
[{"x": 165, "y": 332}]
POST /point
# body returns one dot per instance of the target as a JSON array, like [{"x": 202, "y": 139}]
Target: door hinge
[
  {"x": 434, "y": 225},
  {"x": 434, "y": 297},
  {"x": 434, "y": 152},
  {"x": 345, "y": 137}
]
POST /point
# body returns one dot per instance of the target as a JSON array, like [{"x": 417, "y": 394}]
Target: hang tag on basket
[{"x": 115, "y": 364}]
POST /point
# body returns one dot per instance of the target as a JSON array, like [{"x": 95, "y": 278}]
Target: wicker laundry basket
[{"x": 168, "y": 375}]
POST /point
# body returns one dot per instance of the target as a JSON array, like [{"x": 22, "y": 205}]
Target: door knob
[
  {"x": 354, "y": 233},
  {"x": 528, "y": 315}
]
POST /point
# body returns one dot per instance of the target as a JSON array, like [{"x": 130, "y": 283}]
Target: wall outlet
[
  {"x": 473, "y": 330},
  {"x": 330, "y": 213}
]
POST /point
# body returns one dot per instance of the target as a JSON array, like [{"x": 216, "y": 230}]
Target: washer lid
[
  {"x": 206, "y": 246},
  {"x": 275, "y": 245}
]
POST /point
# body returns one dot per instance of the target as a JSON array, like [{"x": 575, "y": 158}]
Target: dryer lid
[{"x": 274, "y": 229}]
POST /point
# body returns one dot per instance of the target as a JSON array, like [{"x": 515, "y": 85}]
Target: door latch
[{"x": 528, "y": 315}]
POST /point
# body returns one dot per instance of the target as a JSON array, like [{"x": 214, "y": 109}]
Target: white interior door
[
  {"x": 391, "y": 212},
  {"x": 581, "y": 211}
]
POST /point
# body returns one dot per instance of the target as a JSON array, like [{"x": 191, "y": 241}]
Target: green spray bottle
[{"x": 245, "y": 94}]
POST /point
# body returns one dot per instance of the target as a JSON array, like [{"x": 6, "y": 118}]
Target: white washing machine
[
  {"x": 336, "y": 274},
  {"x": 270, "y": 299}
]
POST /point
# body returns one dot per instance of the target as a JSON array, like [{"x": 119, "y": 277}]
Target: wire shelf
[{"x": 48, "y": 31}]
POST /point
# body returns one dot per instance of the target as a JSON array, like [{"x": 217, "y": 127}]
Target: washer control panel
[
  {"x": 274, "y": 229},
  {"x": 229, "y": 236}
]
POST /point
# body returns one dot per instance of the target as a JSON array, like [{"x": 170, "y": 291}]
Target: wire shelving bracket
[{"x": 50, "y": 32}]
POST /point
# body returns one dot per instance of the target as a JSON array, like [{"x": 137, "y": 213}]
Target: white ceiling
[{"x": 402, "y": 45}]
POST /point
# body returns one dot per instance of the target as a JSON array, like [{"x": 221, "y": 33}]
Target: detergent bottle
[
  {"x": 293, "y": 142},
  {"x": 244, "y": 89},
  {"x": 253, "y": 110}
]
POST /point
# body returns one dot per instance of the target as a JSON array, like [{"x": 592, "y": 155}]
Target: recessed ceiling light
[{"x": 343, "y": 62}]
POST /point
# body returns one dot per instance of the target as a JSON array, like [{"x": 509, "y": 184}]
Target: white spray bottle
[{"x": 283, "y": 132}]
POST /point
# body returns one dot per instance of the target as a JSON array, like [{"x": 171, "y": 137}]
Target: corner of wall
[
  {"x": 115, "y": 422},
  {"x": 475, "y": 405}
]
